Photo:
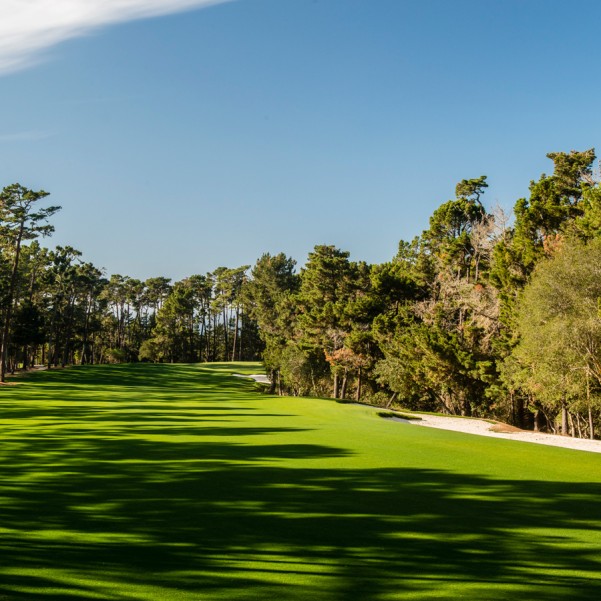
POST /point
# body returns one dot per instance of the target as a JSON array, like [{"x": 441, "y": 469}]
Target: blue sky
[{"x": 206, "y": 137}]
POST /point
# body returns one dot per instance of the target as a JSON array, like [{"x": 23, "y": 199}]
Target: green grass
[{"x": 183, "y": 482}]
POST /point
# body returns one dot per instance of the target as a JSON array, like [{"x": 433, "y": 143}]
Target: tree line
[
  {"x": 483, "y": 314},
  {"x": 57, "y": 309}
]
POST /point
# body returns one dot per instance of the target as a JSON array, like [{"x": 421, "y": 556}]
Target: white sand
[
  {"x": 261, "y": 378},
  {"x": 483, "y": 428}
]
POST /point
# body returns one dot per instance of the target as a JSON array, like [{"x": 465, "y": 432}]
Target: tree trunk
[
  {"x": 564, "y": 420},
  {"x": 577, "y": 415},
  {"x": 335, "y": 385},
  {"x": 235, "y": 335},
  {"x": 240, "y": 333},
  {"x": 214, "y": 352},
  {"x": 344, "y": 381},
  {"x": 11, "y": 301},
  {"x": 358, "y": 396},
  {"x": 572, "y": 429},
  {"x": 591, "y": 424},
  {"x": 226, "y": 350},
  {"x": 272, "y": 377},
  {"x": 84, "y": 344},
  {"x": 68, "y": 331},
  {"x": 537, "y": 421},
  {"x": 201, "y": 339}
]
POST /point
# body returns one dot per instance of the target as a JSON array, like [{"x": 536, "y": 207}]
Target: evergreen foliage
[{"x": 472, "y": 317}]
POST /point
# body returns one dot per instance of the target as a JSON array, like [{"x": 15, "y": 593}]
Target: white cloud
[
  {"x": 28, "y": 27},
  {"x": 25, "y": 136}
]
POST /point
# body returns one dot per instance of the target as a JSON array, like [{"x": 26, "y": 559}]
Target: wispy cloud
[
  {"x": 25, "y": 136},
  {"x": 28, "y": 27}
]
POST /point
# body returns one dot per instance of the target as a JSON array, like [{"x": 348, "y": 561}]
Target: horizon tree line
[{"x": 483, "y": 314}]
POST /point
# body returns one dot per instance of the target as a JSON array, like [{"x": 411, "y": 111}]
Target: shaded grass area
[
  {"x": 397, "y": 415},
  {"x": 183, "y": 482}
]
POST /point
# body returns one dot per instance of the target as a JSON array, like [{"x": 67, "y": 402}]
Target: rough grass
[
  {"x": 182, "y": 482},
  {"x": 397, "y": 415}
]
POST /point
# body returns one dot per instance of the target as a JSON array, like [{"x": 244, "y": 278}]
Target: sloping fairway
[{"x": 182, "y": 482}]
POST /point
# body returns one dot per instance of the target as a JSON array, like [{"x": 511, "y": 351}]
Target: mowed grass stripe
[{"x": 184, "y": 482}]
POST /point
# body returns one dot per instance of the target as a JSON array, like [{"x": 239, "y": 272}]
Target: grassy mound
[
  {"x": 182, "y": 482},
  {"x": 397, "y": 415}
]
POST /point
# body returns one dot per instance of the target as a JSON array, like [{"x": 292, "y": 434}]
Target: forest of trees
[{"x": 484, "y": 314}]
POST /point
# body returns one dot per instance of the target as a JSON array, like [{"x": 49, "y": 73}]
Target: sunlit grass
[{"x": 183, "y": 482}]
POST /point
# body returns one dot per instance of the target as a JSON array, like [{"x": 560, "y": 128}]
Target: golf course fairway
[{"x": 184, "y": 482}]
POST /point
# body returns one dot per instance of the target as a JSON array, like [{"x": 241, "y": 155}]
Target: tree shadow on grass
[
  {"x": 133, "y": 375},
  {"x": 140, "y": 510},
  {"x": 209, "y": 520}
]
